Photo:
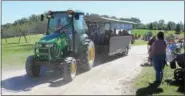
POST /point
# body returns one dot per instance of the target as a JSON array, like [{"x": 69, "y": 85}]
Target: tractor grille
[
  {"x": 43, "y": 51},
  {"x": 43, "y": 45}
]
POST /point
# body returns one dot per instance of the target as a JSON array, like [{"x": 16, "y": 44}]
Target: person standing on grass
[
  {"x": 178, "y": 47},
  {"x": 158, "y": 55},
  {"x": 172, "y": 47},
  {"x": 150, "y": 42}
]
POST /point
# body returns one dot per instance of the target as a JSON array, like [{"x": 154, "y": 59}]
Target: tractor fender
[
  {"x": 68, "y": 59},
  {"x": 85, "y": 36},
  {"x": 86, "y": 41}
]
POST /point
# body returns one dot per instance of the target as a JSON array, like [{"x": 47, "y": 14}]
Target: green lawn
[
  {"x": 147, "y": 76},
  {"x": 139, "y": 42},
  {"x": 14, "y": 53},
  {"x": 143, "y": 31}
]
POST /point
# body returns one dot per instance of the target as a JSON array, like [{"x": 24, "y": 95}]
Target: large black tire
[
  {"x": 89, "y": 57},
  {"x": 178, "y": 75},
  {"x": 32, "y": 69},
  {"x": 69, "y": 69}
]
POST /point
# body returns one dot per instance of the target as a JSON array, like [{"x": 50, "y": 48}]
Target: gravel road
[{"x": 110, "y": 76}]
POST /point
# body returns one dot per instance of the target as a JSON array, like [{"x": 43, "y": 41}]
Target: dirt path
[{"x": 110, "y": 76}]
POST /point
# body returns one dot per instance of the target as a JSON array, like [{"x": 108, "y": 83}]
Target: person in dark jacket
[{"x": 158, "y": 55}]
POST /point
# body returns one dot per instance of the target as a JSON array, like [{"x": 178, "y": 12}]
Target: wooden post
[
  {"x": 19, "y": 39},
  {"x": 5, "y": 40},
  {"x": 25, "y": 37}
]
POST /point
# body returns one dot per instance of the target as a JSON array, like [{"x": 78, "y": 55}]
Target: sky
[{"x": 146, "y": 11}]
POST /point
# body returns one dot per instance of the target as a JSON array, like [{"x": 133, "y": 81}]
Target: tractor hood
[{"x": 51, "y": 38}]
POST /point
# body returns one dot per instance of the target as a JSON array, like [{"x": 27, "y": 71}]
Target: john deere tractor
[{"x": 66, "y": 46}]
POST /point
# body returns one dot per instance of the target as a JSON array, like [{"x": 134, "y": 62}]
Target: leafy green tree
[
  {"x": 113, "y": 17},
  {"x": 161, "y": 24},
  {"x": 150, "y": 26},
  {"x": 171, "y": 25},
  {"x": 178, "y": 29},
  {"x": 106, "y": 16},
  {"x": 142, "y": 26},
  {"x": 181, "y": 26},
  {"x": 154, "y": 25}
]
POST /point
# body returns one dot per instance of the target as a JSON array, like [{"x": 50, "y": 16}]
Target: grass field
[
  {"x": 14, "y": 54},
  {"x": 139, "y": 42},
  {"x": 142, "y": 32},
  {"x": 147, "y": 76},
  {"x": 166, "y": 88}
]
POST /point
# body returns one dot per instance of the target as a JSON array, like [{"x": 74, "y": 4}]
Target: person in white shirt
[{"x": 178, "y": 47}]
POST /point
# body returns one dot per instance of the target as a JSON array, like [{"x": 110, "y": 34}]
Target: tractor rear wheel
[
  {"x": 89, "y": 57},
  {"x": 178, "y": 75},
  {"x": 32, "y": 69},
  {"x": 69, "y": 69}
]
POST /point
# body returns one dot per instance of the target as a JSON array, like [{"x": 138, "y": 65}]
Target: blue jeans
[{"x": 158, "y": 62}]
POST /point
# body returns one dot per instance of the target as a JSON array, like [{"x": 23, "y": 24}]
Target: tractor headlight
[{"x": 49, "y": 45}]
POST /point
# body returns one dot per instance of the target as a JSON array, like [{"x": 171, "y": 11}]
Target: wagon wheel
[{"x": 178, "y": 75}]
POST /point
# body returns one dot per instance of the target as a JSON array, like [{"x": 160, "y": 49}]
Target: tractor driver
[{"x": 62, "y": 22}]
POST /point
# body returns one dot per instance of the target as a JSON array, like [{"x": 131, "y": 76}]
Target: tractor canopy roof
[
  {"x": 98, "y": 19},
  {"x": 68, "y": 11}
]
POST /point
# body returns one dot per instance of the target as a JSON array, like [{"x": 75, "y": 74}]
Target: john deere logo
[{"x": 59, "y": 41}]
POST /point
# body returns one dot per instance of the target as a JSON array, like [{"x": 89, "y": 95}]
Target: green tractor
[{"x": 66, "y": 46}]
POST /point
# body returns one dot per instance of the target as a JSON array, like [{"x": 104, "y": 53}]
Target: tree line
[{"x": 33, "y": 25}]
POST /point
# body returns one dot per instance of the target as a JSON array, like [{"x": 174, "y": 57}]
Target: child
[
  {"x": 172, "y": 48},
  {"x": 178, "y": 46}
]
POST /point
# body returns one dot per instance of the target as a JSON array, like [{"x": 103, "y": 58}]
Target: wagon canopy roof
[{"x": 105, "y": 20}]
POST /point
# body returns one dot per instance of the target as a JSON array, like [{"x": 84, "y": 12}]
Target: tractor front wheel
[
  {"x": 69, "y": 69},
  {"x": 89, "y": 57},
  {"x": 32, "y": 69}
]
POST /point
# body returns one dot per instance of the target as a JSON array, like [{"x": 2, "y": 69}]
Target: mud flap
[{"x": 118, "y": 44}]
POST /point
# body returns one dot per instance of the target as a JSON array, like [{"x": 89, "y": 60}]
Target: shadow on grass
[
  {"x": 175, "y": 83},
  {"x": 150, "y": 90},
  {"x": 146, "y": 65}
]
